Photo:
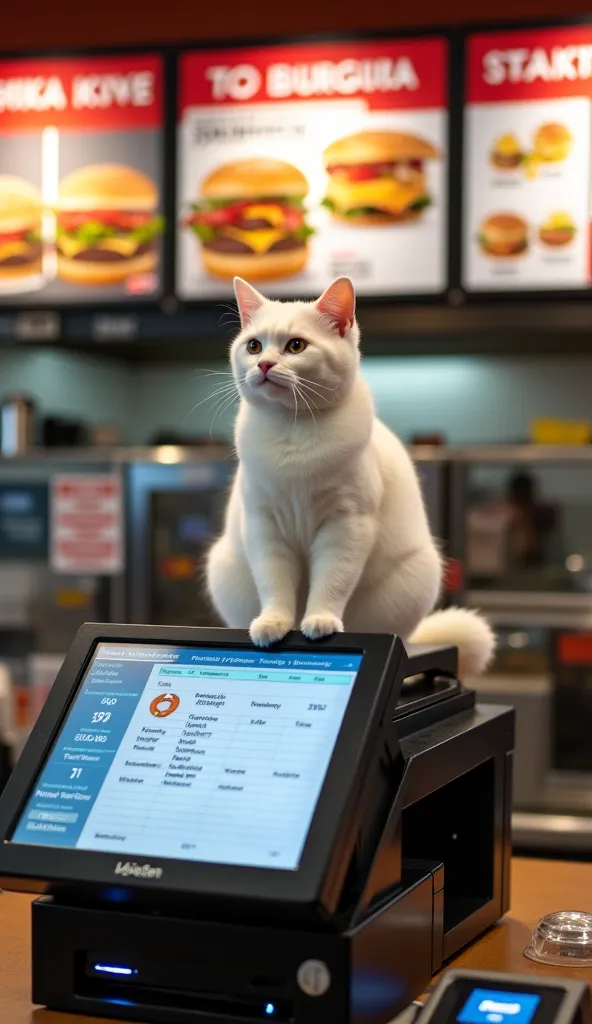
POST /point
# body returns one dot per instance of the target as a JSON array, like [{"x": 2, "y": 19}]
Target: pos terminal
[{"x": 230, "y": 834}]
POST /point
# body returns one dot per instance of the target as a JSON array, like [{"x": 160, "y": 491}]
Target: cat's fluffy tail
[{"x": 463, "y": 628}]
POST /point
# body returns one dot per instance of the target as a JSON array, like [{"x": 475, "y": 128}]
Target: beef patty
[
  {"x": 223, "y": 243},
  {"x": 23, "y": 258}
]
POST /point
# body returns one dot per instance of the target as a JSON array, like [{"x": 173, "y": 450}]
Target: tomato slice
[
  {"x": 125, "y": 219},
  {"x": 12, "y": 236},
  {"x": 366, "y": 172},
  {"x": 293, "y": 218},
  {"x": 225, "y": 215}
]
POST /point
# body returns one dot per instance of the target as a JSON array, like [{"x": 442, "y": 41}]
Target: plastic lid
[{"x": 563, "y": 939}]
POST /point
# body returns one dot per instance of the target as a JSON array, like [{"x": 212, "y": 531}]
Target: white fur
[{"x": 325, "y": 527}]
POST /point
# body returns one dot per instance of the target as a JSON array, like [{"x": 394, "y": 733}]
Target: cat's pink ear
[
  {"x": 248, "y": 299},
  {"x": 338, "y": 302}
]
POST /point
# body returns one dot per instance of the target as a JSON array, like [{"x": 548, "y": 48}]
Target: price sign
[{"x": 87, "y": 524}]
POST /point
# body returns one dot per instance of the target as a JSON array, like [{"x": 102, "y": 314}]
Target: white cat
[{"x": 325, "y": 527}]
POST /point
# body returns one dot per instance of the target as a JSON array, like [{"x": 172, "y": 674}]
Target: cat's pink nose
[{"x": 265, "y": 367}]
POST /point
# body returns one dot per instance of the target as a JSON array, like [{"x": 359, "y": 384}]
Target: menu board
[
  {"x": 80, "y": 179},
  {"x": 527, "y": 164},
  {"x": 300, "y": 163}
]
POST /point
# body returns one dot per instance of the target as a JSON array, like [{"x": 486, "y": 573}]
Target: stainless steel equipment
[
  {"x": 18, "y": 425},
  {"x": 521, "y": 528},
  {"x": 175, "y": 505},
  {"x": 433, "y": 469}
]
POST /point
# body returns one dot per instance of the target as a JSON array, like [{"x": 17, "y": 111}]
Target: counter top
[{"x": 538, "y": 887}]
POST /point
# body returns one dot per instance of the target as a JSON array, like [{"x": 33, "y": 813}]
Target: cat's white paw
[
  {"x": 268, "y": 629},
  {"x": 316, "y": 626}
]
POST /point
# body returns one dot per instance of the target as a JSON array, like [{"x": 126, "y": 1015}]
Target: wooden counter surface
[{"x": 538, "y": 887}]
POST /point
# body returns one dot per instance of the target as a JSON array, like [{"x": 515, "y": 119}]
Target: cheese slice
[
  {"x": 124, "y": 246},
  {"x": 71, "y": 247},
  {"x": 264, "y": 211},
  {"x": 559, "y": 221},
  {"x": 379, "y": 193},
  {"x": 259, "y": 241},
  {"x": 14, "y": 249}
]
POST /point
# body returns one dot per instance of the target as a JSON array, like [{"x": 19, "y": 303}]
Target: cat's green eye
[
  {"x": 296, "y": 345},
  {"x": 254, "y": 346}
]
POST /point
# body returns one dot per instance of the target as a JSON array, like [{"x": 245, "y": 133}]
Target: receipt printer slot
[{"x": 186, "y": 986}]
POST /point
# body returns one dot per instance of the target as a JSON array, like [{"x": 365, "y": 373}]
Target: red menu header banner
[
  {"x": 530, "y": 64},
  {"x": 92, "y": 94},
  {"x": 386, "y": 74}
]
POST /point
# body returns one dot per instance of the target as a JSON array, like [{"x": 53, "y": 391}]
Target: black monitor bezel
[{"x": 328, "y": 844}]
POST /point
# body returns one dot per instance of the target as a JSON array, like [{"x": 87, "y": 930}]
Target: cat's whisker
[
  {"x": 316, "y": 383},
  {"x": 228, "y": 305},
  {"x": 225, "y": 404},
  {"x": 223, "y": 389},
  {"x": 213, "y": 373},
  {"x": 220, "y": 379},
  {"x": 220, "y": 405},
  {"x": 312, "y": 387},
  {"x": 295, "y": 405},
  {"x": 309, "y": 387},
  {"x": 231, "y": 312},
  {"x": 307, "y": 404}
]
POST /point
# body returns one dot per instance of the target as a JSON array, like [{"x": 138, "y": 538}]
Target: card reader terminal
[{"x": 478, "y": 997}]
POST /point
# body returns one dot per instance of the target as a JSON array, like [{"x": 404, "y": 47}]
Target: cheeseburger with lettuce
[
  {"x": 250, "y": 220},
  {"x": 107, "y": 225},
  {"x": 20, "y": 230},
  {"x": 377, "y": 177}
]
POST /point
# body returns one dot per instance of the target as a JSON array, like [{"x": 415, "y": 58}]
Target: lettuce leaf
[
  {"x": 204, "y": 232},
  {"x": 303, "y": 233},
  {"x": 94, "y": 231},
  {"x": 421, "y": 204},
  {"x": 148, "y": 231},
  {"x": 204, "y": 205}
]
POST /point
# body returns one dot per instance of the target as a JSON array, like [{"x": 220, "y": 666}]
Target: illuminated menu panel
[
  {"x": 527, "y": 163},
  {"x": 300, "y": 163},
  {"x": 81, "y": 179}
]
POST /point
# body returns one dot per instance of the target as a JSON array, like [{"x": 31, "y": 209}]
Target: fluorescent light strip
[{"x": 50, "y": 177}]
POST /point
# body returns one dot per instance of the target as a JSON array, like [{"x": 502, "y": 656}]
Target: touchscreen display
[
  {"x": 492, "y": 1006},
  {"x": 192, "y": 753}
]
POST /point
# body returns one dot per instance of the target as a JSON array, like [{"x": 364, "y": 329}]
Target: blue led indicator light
[
  {"x": 113, "y": 969},
  {"x": 269, "y": 1009}
]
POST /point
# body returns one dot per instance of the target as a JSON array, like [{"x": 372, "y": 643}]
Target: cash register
[{"x": 220, "y": 833}]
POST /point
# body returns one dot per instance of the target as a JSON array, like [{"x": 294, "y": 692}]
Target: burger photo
[
  {"x": 377, "y": 177},
  {"x": 503, "y": 235},
  {"x": 552, "y": 143},
  {"x": 558, "y": 230},
  {"x": 21, "y": 211},
  {"x": 107, "y": 225},
  {"x": 250, "y": 220},
  {"x": 506, "y": 153}
]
